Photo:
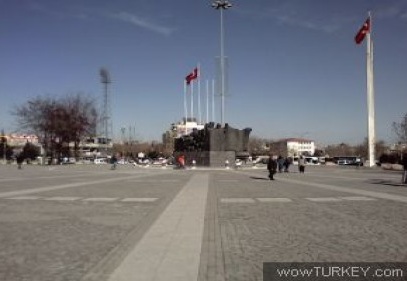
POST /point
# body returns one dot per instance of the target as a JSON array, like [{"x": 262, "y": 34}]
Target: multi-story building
[
  {"x": 19, "y": 140},
  {"x": 292, "y": 147}
]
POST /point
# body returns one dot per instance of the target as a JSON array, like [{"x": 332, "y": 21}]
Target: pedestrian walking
[
  {"x": 287, "y": 163},
  {"x": 113, "y": 161},
  {"x": 20, "y": 160},
  {"x": 272, "y": 167},
  {"x": 301, "y": 164},
  {"x": 404, "y": 162},
  {"x": 280, "y": 162},
  {"x": 181, "y": 161}
]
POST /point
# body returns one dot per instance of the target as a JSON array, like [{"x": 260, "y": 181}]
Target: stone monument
[{"x": 213, "y": 146}]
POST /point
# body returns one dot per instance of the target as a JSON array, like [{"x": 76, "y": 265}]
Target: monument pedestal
[
  {"x": 213, "y": 146},
  {"x": 208, "y": 158}
]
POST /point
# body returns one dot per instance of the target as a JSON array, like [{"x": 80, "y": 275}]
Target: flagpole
[
  {"x": 370, "y": 96},
  {"x": 213, "y": 100},
  {"x": 199, "y": 94},
  {"x": 207, "y": 101},
  {"x": 192, "y": 99},
  {"x": 185, "y": 105}
]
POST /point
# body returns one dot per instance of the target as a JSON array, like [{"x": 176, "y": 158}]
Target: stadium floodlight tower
[
  {"x": 222, "y": 5},
  {"x": 106, "y": 118}
]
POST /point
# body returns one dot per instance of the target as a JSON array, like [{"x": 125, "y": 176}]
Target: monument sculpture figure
[{"x": 213, "y": 145}]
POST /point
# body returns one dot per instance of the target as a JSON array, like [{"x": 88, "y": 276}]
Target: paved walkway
[
  {"x": 171, "y": 249},
  {"x": 86, "y": 223}
]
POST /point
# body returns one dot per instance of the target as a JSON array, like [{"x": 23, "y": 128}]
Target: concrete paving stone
[{"x": 242, "y": 226}]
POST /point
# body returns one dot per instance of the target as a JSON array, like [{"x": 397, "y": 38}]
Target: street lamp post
[
  {"x": 4, "y": 152},
  {"x": 222, "y": 5}
]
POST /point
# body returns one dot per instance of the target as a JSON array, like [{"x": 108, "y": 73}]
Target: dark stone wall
[
  {"x": 208, "y": 158},
  {"x": 213, "y": 138},
  {"x": 212, "y": 146}
]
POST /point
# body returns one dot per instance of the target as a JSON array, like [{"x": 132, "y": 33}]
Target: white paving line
[
  {"x": 286, "y": 200},
  {"x": 139, "y": 199},
  {"x": 267, "y": 200},
  {"x": 325, "y": 199},
  {"x": 358, "y": 198},
  {"x": 92, "y": 199},
  {"x": 374, "y": 194},
  {"x": 62, "y": 186},
  {"x": 101, "y": 199},
  {"x": 62, "y": 198},
  {"x": 237, "y": 200},
  {"x": 25, "y": 198},
  {"x": 170, "y": 250}
]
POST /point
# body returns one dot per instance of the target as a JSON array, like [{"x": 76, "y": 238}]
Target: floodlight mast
[
  {"x": 222, "y": 5},
  {"x": 105, "y": 79}
]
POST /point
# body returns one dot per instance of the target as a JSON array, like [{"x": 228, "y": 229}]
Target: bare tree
[
  {"x": 341, "y": 149},
  {"x": 80, "y": 119},
  {"x": 58, "y": 122},
  {"x": 257, "y": 146},
  {"x": 400, "y": 129}
]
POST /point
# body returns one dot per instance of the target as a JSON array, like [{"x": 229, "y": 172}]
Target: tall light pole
[
  {"x": 107, "y": 122},
  {"x": 222, "y": 5}
]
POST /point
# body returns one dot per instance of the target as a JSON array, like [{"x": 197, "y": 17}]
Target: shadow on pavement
[
  {"x": 386, "y": 182},
  {"x": 258, "y": 178}
]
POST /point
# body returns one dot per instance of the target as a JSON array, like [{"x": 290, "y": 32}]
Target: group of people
[{"x": 283, "y": 164}]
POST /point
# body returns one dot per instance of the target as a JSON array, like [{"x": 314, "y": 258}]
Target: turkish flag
[
  {"x": 192, "y": 76},
  {"x": 363, "y": 31}
]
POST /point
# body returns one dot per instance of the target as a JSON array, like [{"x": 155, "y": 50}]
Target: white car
[{"x": 100, "y": 161}]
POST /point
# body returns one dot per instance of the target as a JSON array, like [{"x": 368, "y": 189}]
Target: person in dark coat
[
  {"x": 280, "y": 162},
  {"x": 272, "y": 167},
  {"x": 287, "y": 163},
  {"x": 20, "y": 160},
  {"x": 113, "y": 161},
  {"x": 301, "y": 164},
  {"x": 404, "y": 162}
]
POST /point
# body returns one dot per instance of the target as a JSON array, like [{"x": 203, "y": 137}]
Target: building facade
[{"x": 292, "y": 147}]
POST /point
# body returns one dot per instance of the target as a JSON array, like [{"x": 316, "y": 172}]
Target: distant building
[
  {"x": 185, "y": 127},
  {"x": 293, "y": 147},
  {"x": 92, "y": 147},
  {"x": 19, "y": 140}
]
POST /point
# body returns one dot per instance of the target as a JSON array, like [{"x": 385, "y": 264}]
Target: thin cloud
[
  {"x": 307, "y": 24},
  {"x": 284, "y": 16},
  {"x": 397, "y": 10},
  {"x": 143, "y": 23},
  {"x": 46, "y": 10}
]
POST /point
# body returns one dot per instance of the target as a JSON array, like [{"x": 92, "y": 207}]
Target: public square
[{"x": 87, "y": 222}]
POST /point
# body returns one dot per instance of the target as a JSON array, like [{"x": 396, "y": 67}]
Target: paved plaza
[{"x": 87, "y": 222}]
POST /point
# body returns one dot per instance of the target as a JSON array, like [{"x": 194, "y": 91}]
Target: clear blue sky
[{"x": 294, "y": 69}]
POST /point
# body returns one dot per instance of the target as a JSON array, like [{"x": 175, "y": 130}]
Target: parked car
[
  {"x": 100, "y": 161},
  {"x": 344, "y": 162},
  {"x": 261, "y": 159},
  {"x": 122, "y": 162},
  {"x": 159, "y": 161}
]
